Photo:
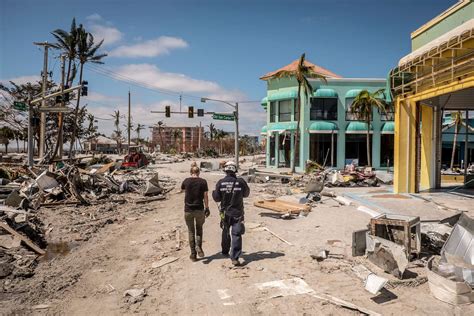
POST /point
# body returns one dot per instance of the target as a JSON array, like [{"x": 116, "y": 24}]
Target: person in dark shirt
[
  {"x": 230, "y": 192},
  {"x": 196, "y": 209}
]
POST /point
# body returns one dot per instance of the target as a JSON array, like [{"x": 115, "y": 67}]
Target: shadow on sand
[{"x": 247, "y": 257}]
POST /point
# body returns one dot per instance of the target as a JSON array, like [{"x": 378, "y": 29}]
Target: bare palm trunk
[
  {"x": 76, "y": 112},
  {"x": 455, "y": 139},
  {"x": 298, "y": 104},
  {"x": 368, "y": 141}
]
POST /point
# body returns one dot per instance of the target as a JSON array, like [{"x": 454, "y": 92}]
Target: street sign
[
  {"x": 52, "y": 109},
  {"x": 223, "y": 116},
  {"x": 20, "y": 106}
]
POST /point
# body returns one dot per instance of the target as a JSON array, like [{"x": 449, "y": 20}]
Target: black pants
[
  {"x": 235, "y": 227},
  {"x": 194, "y": 220}
]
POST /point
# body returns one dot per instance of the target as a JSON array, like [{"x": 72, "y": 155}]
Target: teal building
[{"x": 329, "y": 133}]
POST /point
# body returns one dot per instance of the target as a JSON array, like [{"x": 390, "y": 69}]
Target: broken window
[
  {"x": 323, "y": 109},
  {"x": 356, "y": 149},
  {"x": 323, "y": 148}
]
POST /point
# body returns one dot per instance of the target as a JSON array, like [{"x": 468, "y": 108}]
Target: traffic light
[
  {"x": 200, "y": 112},
  {"x": 168, "y": 111},
  {"x": 84, "y": 88},
  {"x": 191, "y": 111}
]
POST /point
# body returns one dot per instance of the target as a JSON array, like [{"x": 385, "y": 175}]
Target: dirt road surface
[{"x": 91, "y": 279}]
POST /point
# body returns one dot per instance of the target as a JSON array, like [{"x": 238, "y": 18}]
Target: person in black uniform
[
  {"x": 230, "y": 192},
  {"x": 196, "y": 209}
]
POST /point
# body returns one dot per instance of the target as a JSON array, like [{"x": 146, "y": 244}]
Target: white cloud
[
  {"x": 23, "y": 79},
  {"x": 150, "y": 48},
  {"x": 103, "y": 30}
]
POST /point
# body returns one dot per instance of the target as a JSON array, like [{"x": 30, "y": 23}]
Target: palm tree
[
  {"x": 86, "y": 52},
  {"x": 456, "y": 121},
  {"x": 301, "y": 73},
  {"x": 177, "y": 135},
  {"x": 118, "y": 132},
  {"x": 212, "y": 131},
  {"x": 67, "y": 42},
  {"x": 219, "y": 136},
  {"x": 161, "y": 124},
  {"x": 139, "y": 128},
  {"x": 362, "y": 107}
]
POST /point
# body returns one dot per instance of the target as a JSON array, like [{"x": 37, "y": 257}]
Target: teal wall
[
  {"x": 447, "y": 24},
  {"x": 341, "y": 86}
]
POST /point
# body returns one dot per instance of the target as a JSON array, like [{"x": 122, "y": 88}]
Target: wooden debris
[
  {"x": 151, "y": 199},
  {"x": 285, "y": 241},
  {"x": 27, "y": 241},
  {"x": 163, "y": 262},
  {"x": 281, "y": 206},
  {"x": 339, "y": 302}
]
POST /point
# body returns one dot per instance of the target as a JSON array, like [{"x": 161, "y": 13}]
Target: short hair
[{"x": 195, "y": 170}]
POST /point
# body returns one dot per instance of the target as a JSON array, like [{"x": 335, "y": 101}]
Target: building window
[
  {"x": 353, "y": 116},
  {"x": 386, "y": 150},
  {"x": 388, "y": 114},
  {"x": 272, "y": 111},
  {"x": 296, "y": 111},
  {"x": 323, "y": 109},
  {"x": 356, "y": 149},
  {"x": 323, "y": 149},
  {"x": 284, "y": 111}
]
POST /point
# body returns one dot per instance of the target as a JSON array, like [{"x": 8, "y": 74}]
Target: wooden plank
[
  {"x": 27, "y": 241},
  {"x": 282, "y": 206}
]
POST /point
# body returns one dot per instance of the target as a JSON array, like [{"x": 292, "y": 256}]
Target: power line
[{"x": 120, "y": 77}]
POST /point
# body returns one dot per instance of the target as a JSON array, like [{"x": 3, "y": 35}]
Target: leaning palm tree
[
  {"x": 212, "y": 131},
  {"x": 456, "y": 121},
  {"x": 362, "y": 107},
  {"x": 86, "y": 52},
  {"x": 301, "y": 73},
  {"x": 67, "y": 42}
]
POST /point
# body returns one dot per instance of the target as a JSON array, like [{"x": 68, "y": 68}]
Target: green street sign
[
  {"x": 20, "y": 106},
  {"x": 223, "y": 116}
]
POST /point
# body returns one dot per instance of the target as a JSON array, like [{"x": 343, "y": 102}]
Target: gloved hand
[
  {"x": 222, "y": 215},
  {"x": 207, "y": 212}
]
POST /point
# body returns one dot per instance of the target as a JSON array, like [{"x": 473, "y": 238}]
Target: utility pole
[
  {"x": 31, "y": 148},
  {"x": 200, "y": 136},
  {"x": 237, "y": 148},
  {"x": 129, "y": 122},
  {"x": 42, "y": 136},
  {"x": 180, "y": 99}
]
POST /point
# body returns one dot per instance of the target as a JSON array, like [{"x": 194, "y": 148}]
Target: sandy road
[{"x": 120, "y": 257}]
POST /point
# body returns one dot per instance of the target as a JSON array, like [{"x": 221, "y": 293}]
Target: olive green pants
[{"x": 195, "y": 220}]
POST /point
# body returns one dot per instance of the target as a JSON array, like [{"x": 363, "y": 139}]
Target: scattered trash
[
  {"x": 446, "y": 286},
  {"x": 374, "y": 283},
  {"x": 133, "y": 296},
  {"x": 387, "y": 255},
  {"x": 282, "y": 288},
  {"x": 320, "y": 255}
]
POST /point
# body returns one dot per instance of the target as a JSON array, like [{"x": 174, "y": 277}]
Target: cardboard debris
[{"x": 387, "y": 255}]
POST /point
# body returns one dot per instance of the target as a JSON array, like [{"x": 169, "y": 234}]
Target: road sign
[
  {"x": 223, "y": 116},
  {"x": 20, "y": 106}
]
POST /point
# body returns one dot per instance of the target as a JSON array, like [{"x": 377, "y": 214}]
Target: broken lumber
[
  {"x": 147, "y": 200},
  {"x": 339, "y": 302},
  {"x": 285, "y": 241},
  {"x": 283, "y": 206},
  {"x": 27, "y": 241}
]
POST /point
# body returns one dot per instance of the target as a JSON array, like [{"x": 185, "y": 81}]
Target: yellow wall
[
  {"x": 405, "y": 138},
  {"x": 427, "y": 145}
]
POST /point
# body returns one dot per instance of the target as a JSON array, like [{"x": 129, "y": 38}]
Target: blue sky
[{"x": 210, "y": 48}]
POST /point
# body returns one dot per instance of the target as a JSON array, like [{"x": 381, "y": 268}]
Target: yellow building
[{"x": 437, "y": 77}]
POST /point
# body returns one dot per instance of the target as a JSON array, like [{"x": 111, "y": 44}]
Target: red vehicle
[{"x": 135, "y": 158}]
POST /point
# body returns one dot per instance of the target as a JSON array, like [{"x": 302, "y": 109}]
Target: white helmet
[{"x": 230, "y": 166}]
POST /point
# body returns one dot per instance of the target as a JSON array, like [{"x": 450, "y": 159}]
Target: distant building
[
  {"x": 330, "y": 134},
  {"x": 181, "y": 138},
  {"x": 105, "y": 145}
]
